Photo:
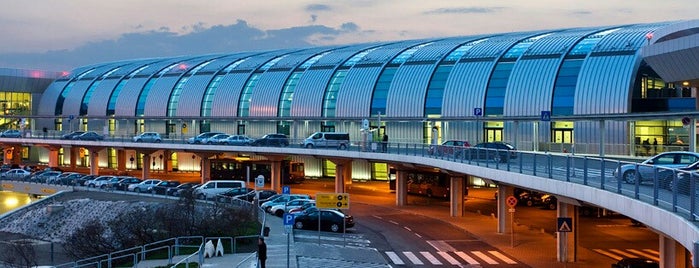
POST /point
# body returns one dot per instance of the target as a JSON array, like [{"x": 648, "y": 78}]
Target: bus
[{"x": 231, "y": 169}]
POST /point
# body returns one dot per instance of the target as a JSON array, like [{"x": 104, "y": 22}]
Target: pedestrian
[
  {"x": 261, "y": 251},
  {"x": 646, "y": 146},
  {"x": 384, "y": 144},
  {"x": 655, "y": 145}
]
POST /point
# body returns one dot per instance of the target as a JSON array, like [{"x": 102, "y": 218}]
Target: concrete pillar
[
  {"x": 343, "y": 174},
  {"x": 205, "y": 169},
  {"x": 53, "y": 157},
  {"x": 672, "y": 254},
  {"x": 94, "y": 160},
  {"x": 146, "y": 166},
  {"x": 401, "y": 188},
  {"x": 602, "y": 134},
  {"x": 456, "y": 196},
  {"x": 504, "y": 217},
  {"x": 566, "y": 241},
  {"x": 7, "y": 159},
  {"x": 276, "y": 179},
  {"x": 74, "y": 153},
  {"x": 692, "y": 135},
  {"x": 121, "y": 160},
  {"x": 167, "y": 161}
]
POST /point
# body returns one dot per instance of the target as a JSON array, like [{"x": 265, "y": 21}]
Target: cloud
[
  {"x": 464, "y": 10},
  {"x": 166, "y": 43}
]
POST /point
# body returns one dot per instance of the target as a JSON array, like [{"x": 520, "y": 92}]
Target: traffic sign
[
  {"x": 477, "y": 111},
  {"x": 289, "y": 219},
  {"x": 511, "y": 201},
  {"x": 545, "y": 116},
  {"x": 260, "y": 181},
  {"x": 286, "y": 189},
  {"x": 332, "y": 200},
  {"x": 564, "y": 225},
  {"x": 686, "y": 121}
]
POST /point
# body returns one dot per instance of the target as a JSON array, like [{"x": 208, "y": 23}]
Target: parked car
[
  {"x": 125, "y": 181},
  {"x": 331, "y": 220},
  {"x": 279, "y": 140},
  {"x": 162, "y": 187},
  {"x": 177, "y": 191},
  {"x": 148, "y": 137},
  {"x": 80, "y": 181},
  {"x": 227, "y": 196},
  {"x": 301, "y": 209},
  {"x": 102, "y": 182},
  {"x": 70, "y": 136},
  {"x": 497, "y": 151},
  {"x": 143, "y": 186},
  {"x": 282, "y": 199},
  {"x": 211, "y": 188},
  {"x": 549, "y": 201},
  {"x": 201, "y": 138},
  {"x": 280, "y": 209},
  {"x": 662, "y": 162},
  {"x": 636, "y": 263},
  {"x": 449, "y": 147},
  {"x": 14, "y": 174},
  {"x": 263, "y": 195},
  {"x": 69, "y": 178},
  {"x": 680, "y": 180},
  {"x": 216, "y": 139},
  {"x": 89, "y": 136},
  {"x": 11, "y": 133},
  {"x": 240, "y": 140},
  {"x": 45, "y": 176},
  {"x": 337, "y": 140}
]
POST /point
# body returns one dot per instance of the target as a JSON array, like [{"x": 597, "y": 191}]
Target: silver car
[
  {"x": 147, "y": 137},
  {"x": 237, "y": 140},
  {"x": 646, "y": 170},
  {"x": 14, "y": 174}
]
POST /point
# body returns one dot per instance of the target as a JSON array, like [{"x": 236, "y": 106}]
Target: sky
[{"x": 62, "y": 35}]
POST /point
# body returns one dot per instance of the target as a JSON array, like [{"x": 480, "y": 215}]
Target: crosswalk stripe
[
  {"x": 502, "y": 257},
  {"x": 605, "y": 253},
  {"x": 394, "y": 258},
  {"x": 650, "y": 256},
  {"x": 622, "y": 253},
  {"x": 414, "y": 259},
  {"x": 441, "y": 245},
  {"x": 466, "y": 257},
  {"x": 431, "y": 258},
  {"x": 484, "y": 257},
  {"x": 448, "y": 257}
]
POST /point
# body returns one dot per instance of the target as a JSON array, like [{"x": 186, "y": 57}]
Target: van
[
  {"x": 327, "y": 139},
  {"x": 211, "y": 188}
]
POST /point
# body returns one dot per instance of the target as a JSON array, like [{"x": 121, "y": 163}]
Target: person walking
[
  {"x": 384, "y": 144},
  {"x": 261, "y": 252}
]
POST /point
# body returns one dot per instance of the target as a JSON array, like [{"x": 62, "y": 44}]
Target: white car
[
  {"x": 144, "y": 186},
  {"x": 282, "y": 199},
  {"x": 280, "y": 209},
  {"x": 14, "y": 174},
  {"x": 148, "y": 137}
]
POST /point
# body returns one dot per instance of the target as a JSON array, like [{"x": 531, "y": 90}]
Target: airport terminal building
[{"x": 596, "y": 90}]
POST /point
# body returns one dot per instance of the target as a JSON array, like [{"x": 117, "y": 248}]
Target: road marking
[
  {"x": 502, "y": 257},
  {"x": 448, "y": 257},
  {"x": 431, "y": 258},
  {"x": 378, "y": 217},
  {"x": 407, "y": 228},
  {"x": 644, "y": 254},
  {"x": 484, "y": 257},
  {"x": 418, "y": 235},
  {"x": 466, "y": 257},
  {"x": 440, "y": 245},
  {"x": 393, "y": 222},
  {"x": 414, "y": 259},
  {"x": 394, "y": 258},
  {"x": 605, "y": 253}
]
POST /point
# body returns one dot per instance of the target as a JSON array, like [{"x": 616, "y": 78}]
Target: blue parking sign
[
  {"x": 477, "y": 112},
  {"x": 286, "y": 189},
  {"x": 289, "y": 219}
]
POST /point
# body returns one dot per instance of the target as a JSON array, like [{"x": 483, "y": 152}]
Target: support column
[
  {"x": 146, "y": 166},
  {"x": 401, "y": 188},
  {"x": 504, "y": 217},
  {"x": 672, "y": 254},
  {"x": 53, "y": 157},
  {"x": 9, "y": 154},
  {"x": 74, "y": 153},
  {"x": 276, "y": 171},
  {"x": 456, "y": 196},
  {"x": 566, "y": 241},
  {"x": 602, "y": 134},
  {"x": 343, "y": 174},
  {"x": 167, "y": 161},
  {"x": 94, "y": 160},
  {"x": 692, "y": 135},
  {"x": 121, "y": 160}
]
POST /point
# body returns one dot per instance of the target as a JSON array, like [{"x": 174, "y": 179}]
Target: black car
[
  {"x": 227, "y": 196},
  {"x": 176, "y": 191},
  {"x": 72, "y": 135},
  {"x": 497, "y": 151},
  {"x": 89, "y": 136},
  {"x": 330, "y": 220},
  {"x": 264, "y": 195},
  {"x": 636, "y": 263},
  {"x": 279, "y": 140},
  {"x": 124, "y": 183},
  {"x": 80, "y": 181},
  {"x": 162, "y": 187}
]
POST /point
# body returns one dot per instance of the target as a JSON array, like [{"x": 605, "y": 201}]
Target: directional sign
[
  {"x": 564, "y": 225},
  {"x": 545, "y": 116},
  {"x": 260, "y": 181},
  {"x": 289, "y": 219},
  {"x": 511, "y": 201},
  {"x": 332, "y": 200},
  {"x": 286, "y": 189},
  {"x": 477, "y": 111}
]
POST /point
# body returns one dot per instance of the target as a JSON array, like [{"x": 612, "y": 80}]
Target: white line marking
[
  {"x": 378, "y": 217},
  {"x": 484, "y": 257},
  {"x": 650, "y": 256},
  {"x": 440, "y": 245},
  {"x": 605, "y": 253},
  {"x": 407, "y": 228},
  {"x": 621, "y": 252},
  {"x": 466, "y": 257},
  {"x": 448, "y": 257},
  {"x": 412, "y": 257},
  {"x": 430, "y": 258},
  {"x": 393, "y": 222},
  {"x": 418, "y": 235},
  {"x": 394, "y": 258},
  {"x": 502, "y": 257}
]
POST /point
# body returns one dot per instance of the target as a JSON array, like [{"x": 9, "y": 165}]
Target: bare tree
[
  {"x": 18, "y": 253},
  {"x": 89, "y": 240}
]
